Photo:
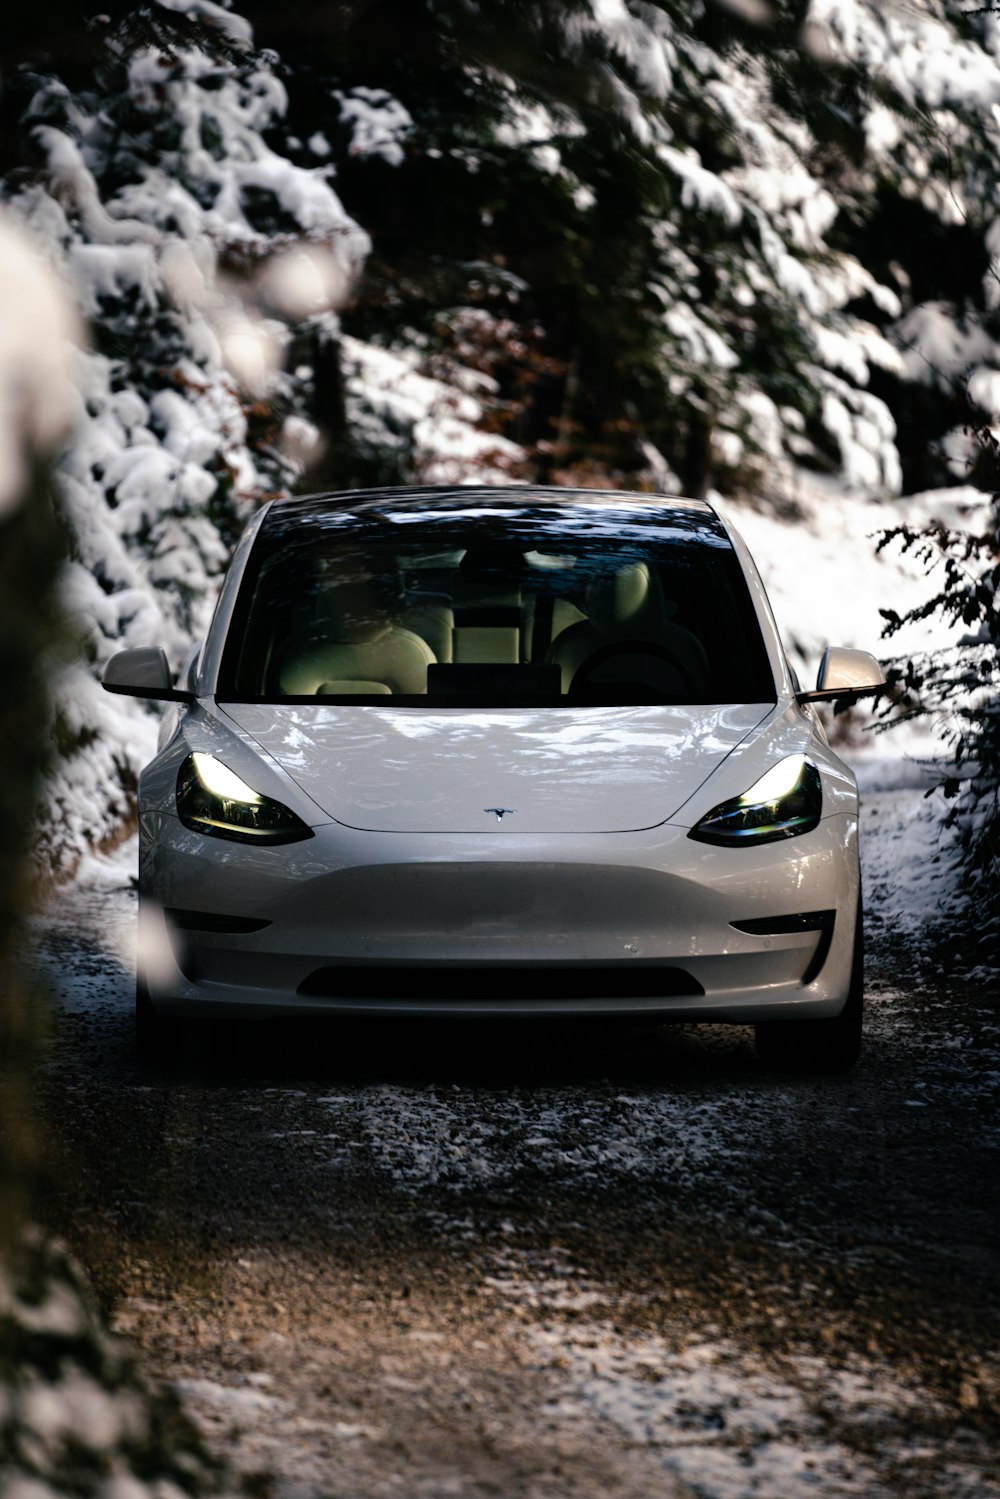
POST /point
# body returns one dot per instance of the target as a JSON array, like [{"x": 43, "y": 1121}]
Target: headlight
[
  {"x": 786, "y": 801},
  {"x": 212, "y": 799}
]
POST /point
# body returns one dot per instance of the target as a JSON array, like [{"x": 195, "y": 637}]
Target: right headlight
[
  {"x": 786, "y": 801},
  {"x": 213, "y": 799}
]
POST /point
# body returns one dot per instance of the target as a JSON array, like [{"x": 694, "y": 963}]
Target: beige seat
[
  {"x": 487, "y": 604},
  {"x": 397, "y": 658},
  {"x": 433, "y": 622},
  {"x": 626, "y": 608},
  {"x": 562, "y": 614},
  {"x": 358, "y": 644}
]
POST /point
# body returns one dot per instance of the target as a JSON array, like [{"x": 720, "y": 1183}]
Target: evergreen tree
[
  {"x": 687, "y": 244},
  {"x": 654, "y": 221},
  {"x": 75, "y": 1416},
  {"x": 671, "y": 227},
  {"x": 150, "y": 183}
]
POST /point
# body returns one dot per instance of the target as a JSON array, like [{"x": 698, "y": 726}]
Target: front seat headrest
[{"x": 617, "y": 599}]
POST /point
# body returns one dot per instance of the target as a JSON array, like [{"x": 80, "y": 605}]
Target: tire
[
  {"x": 819, "y": 1045},
  {"x": 155, "y": 1036}
]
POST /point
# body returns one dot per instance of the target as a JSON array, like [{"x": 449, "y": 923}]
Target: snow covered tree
[
  {"x": 920, "y": 207},
  {"x": 699, "y": 236},
  {"x": 191, "y": 246},
  {"x": 75, "y": 1416},
  {"x": 685, "y": 244}
]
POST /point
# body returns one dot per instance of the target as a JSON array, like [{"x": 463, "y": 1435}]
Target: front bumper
[{"x": 624, "y": 925}]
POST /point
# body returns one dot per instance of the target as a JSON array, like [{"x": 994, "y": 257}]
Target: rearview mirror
[
  {"x": 846, "y": 674},
  {"x": 143, "y": 673}
]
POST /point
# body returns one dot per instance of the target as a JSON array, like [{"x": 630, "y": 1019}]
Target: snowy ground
[{"x": 623, "y": 1264}]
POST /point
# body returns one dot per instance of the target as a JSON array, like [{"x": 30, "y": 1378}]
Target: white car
[{"x": 499, "y": 752}]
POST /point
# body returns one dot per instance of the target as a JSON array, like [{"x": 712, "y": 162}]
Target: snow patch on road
[
  {"x": 420, "y": 1136},
  {"x": 736, "y": 1429},
  {"x": 721, "y": 1418},
  {"x": 235, "y": 1400}
]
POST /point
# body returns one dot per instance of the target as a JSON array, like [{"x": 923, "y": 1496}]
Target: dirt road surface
[{"x": 542, "y": 1264}]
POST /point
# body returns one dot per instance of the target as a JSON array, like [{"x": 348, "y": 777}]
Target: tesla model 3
[{"x": 499, "y": 752}]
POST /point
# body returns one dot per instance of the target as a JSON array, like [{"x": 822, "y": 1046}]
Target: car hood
[{"x": 558, "y": 770}]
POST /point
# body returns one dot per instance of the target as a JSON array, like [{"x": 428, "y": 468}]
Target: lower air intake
[{"x": 518, "y": 983}]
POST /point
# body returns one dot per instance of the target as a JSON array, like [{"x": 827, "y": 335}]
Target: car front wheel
[
  {"x": 157, "y": 1037},
  {"x": 819, "y": 1045}
]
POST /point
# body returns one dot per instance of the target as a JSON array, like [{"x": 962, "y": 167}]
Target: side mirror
[
  {"x": 143, "y": 673},
  {"x": 844, "y": 674}
]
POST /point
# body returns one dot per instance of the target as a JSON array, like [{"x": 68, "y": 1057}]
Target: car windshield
[{"x": 535, "y": 606}]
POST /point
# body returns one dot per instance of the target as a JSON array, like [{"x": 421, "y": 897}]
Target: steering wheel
[{"x": 585, "y": 671}]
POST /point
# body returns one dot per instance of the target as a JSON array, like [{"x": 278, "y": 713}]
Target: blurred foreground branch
[{"x": 75, "y": 1415}]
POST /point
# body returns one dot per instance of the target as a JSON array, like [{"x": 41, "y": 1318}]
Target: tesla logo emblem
[{"x": 501, "y": 812}]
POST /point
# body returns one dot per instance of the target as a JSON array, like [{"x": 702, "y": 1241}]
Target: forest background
[
  {"x": 745, "y": 248},
  {"x": 715, "y": 246}
]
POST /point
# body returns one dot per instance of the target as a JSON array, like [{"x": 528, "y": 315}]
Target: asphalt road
[{"x": 535, "y": 1263}]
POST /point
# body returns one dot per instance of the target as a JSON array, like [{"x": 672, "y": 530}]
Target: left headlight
[
  {"x": 786, "y": 801},
  {"x": 213, "y": 799}
]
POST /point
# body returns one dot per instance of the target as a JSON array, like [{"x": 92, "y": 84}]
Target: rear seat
[{"x": 487, "y": 609}]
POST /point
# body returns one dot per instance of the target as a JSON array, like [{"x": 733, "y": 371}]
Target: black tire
[
  {"x": 820, "y": 1045},
  {"x": 156, "y": 1036}
]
